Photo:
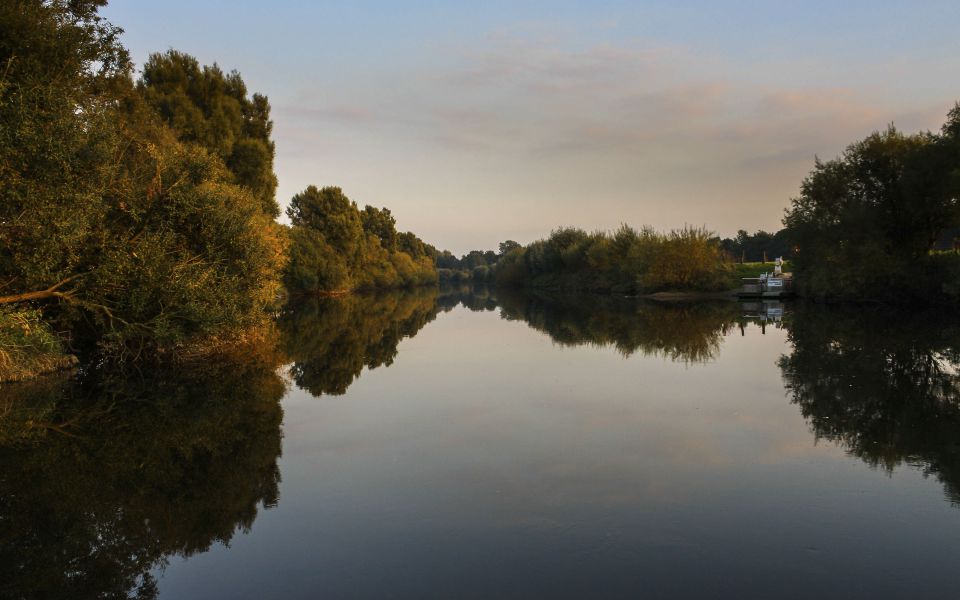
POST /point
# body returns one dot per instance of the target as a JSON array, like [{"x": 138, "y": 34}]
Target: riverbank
[
  {"x": 28, "y": 347},
  {"x": 690, "y": 296}
]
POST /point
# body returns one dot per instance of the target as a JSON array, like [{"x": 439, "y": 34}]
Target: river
[{"x": 475, "y": 445}]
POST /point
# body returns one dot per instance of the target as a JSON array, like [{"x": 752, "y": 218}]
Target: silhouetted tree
[{"x": 865, "y": 222}]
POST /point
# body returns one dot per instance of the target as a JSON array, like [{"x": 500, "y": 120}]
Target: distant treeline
[
  {"x": 478, "y": 266},
  {"x": 481, "y": 266},
  {"x": 626, "y": 261},
  {"x": 759, "y": 247},
  {"x": 881, "y": 222}
]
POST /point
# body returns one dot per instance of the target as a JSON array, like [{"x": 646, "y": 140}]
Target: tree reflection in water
[
  {"x": 331, "y": 340},
  {"x": 689, "y": 332},
  {"x": 102, "y": 481},
  {"x": 883, "y": 384}
]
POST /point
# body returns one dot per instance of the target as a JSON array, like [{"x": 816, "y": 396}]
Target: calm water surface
[{"x": 416, "y": 446}]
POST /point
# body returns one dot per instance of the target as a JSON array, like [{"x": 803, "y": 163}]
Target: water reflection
[
  {"x": 475, "y": 297},
  {"x": 688, "y": 332},
  {"x": 102, "y": 481},
  {"x": 884, "y": 384},
  {"x": 331, "y": 340}
]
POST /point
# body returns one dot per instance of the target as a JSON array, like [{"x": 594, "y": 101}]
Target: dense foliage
[
  {"x": 124, "y": 234},
  {"x": 865, "y": 222},
  {"x": 137, "y": 218},
  {"x": 205, "y": 106},
  {"x": 627, "y": 261},
  {"x": 28, "y": 347},
  {"x": 337, "y": 247},
  {"x": 475, "y": 266},
  {"x": 761, "y": 246}
]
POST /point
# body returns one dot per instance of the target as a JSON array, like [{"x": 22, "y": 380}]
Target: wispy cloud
[{"x": 653, "y": 130}]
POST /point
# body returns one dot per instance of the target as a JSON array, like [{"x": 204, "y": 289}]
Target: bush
[
  {"x": 628, "y": 261},
  {"x": 336, "y": 247},
  {"x": 28, "y": 347}
]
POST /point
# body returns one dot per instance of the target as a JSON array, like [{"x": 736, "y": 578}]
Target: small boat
[{"x": 769, "y": 285}]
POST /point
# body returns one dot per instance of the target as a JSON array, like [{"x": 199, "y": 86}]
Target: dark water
[{"x": 465, "y": 446}]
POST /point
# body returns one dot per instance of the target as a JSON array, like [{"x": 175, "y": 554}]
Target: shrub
[{"x": 28, "y": 347}]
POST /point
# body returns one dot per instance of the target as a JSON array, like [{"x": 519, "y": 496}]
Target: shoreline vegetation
[
  {"x": 138, "y": 215},
  {"x": 628, "y": 262}
]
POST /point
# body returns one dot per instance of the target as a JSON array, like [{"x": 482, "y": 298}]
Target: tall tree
[
  {"x": 379, "y": 222},
  {"x": 130, "y": 236},
  {"x": 865, "y": 222},
  {"x": 212, "y": 108},
  {"x": 329, "y": 212},
  {"x": 338, "y": 247}
]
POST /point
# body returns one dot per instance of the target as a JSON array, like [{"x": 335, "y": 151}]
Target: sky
[{"x": 478, "y": 122}]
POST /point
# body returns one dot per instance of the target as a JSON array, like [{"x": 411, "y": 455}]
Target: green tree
[
  {"x": 628, "y": 261},
  {"x": 337, "y": 247},
  {"x": 314, "y": 265},
  {"x": 211, "y": 108},
  {"x": 127, "y": 236},
  {"x": 865, "y": 222},
  {"x": 379, "y": 222},
  {"x": 61, "y": 66},
  {"x": 507, "y": 246},
  {"x": 330, "y": 213},
  {"x": 408, "y": 242}
]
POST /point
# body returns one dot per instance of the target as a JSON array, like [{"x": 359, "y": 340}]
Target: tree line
[
  {"x": 880, "y": 222},
  {"x": 476, "y": 266},
  {"x": 337, "y": 247},
  {"x": 761, "y": 246},
  {"x": 626, "y": 261},
  {"x": 138, "y": 214}
]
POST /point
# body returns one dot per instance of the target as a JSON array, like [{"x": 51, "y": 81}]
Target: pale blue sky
[{"x": 479, "y": 122}]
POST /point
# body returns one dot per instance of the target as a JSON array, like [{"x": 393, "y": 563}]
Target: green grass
[{"x": 754, "y": 269}]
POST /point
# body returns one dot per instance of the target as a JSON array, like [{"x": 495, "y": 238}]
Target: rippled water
[{"x": 472, "y": 446}]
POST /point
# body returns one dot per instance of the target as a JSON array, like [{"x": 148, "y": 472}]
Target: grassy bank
[
  {"x": 28, "y": 347},
  {"x": 754, "y": 269}
]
